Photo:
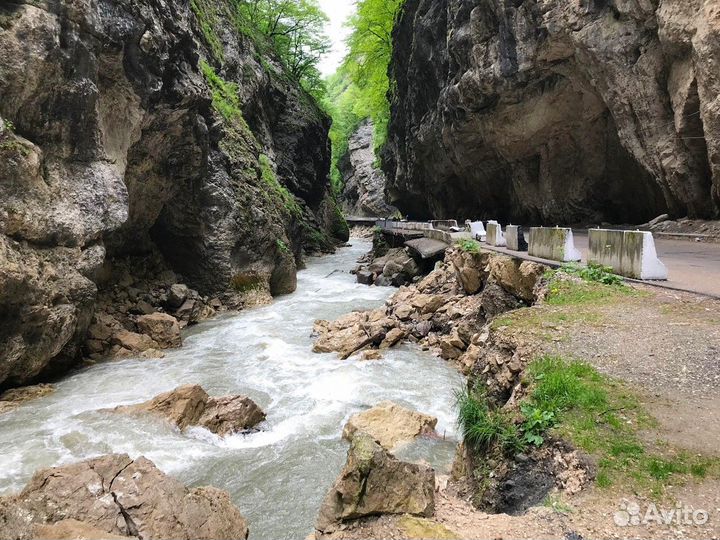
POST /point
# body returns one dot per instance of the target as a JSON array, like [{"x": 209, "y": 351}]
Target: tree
[{"x": 296, "y": 31}]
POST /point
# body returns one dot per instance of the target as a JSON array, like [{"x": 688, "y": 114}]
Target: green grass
[
  {"x": 225, "y": 96},
  {"x": 603, "y": 418},
  {"x": 469, "y": 246},
  {"x": 484, "y": 428},
  {"x": 562, "y": 292},
  {"x": 592, "y": 272}
]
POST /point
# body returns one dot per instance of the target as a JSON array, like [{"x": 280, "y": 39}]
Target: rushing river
[{"x": 279, "y": 476}]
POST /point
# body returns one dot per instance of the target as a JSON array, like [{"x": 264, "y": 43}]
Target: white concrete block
[
  {"x": 495, "y": 236},
  {"x": 555, "y": 244},
  {"x": 477, "y": 229},
  {"x": 629, "y": 253}
]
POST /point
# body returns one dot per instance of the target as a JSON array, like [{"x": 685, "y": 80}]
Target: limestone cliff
[
  {"x": 132, "y": 127},
  {"x": 364, "y": 183},
  {"x": 554, "y": 111}
]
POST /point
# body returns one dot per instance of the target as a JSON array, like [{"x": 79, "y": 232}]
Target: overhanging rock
[
  {"x": 629, "y": 253},
  {"x": 554, "y": 244}
]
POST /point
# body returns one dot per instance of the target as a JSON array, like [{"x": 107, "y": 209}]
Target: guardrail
[{"x": 629, "y": 253}]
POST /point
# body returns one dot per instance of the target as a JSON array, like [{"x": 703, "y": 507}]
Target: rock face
[
  {"x": 364, "y": 191},
  {"x": 137, "y": 127},
  {"x": 190, "y": 405},
  {"x": 113, "y": 496},
  {"x": 389, "y": 424},
  {"x": 372, "y": 483},
  {"x": 556, "y": 111}
]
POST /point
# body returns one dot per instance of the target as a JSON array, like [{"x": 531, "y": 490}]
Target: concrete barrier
[
  {"x": 629, "y": 253},
  {"x": 444, "y": 224},
  {"x": 477, "y": 230},
  {"x": 515, "y": 238},
  {"x": 495, "y": 236},
  {"x": 555, "y": 244}
]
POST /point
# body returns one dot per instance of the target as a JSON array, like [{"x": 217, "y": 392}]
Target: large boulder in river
[
  {"x": 353, "y": 332},
  {"x": 190, "y": 405},
  {"x": 114, "y": 496},
  {"x": 162, "y": 328},
  {"x": 373, "y": 483},
  {"x": 390, "y": 424}
]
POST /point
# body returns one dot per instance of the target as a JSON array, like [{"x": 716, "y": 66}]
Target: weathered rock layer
[
  {"x": 133, "y": 128},
  {"x": 557, "y": 112}
]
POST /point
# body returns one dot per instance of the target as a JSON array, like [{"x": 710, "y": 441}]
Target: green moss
[
  {"x": 282, "y": 246},
  {"x": 207, "y": 17},
  {"x": 281, "y": 193},
  {"x": 247, "y": 281},
  {"x": 225, "y": 96}
]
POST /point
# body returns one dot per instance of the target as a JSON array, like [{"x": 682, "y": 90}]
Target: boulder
[
  {"x": 392, "y": 338},
  {"x": 162, "y": 328},
  {"x": 114, "y": 496},
  {"x": 374, "y": 483},
  {"x": 470, "y": 269},
  {"x": 517, "y": 277},
  {"x": 350, "y": 333},
  {"x": 365, "y": 277},
  {"x": 134, "y": 342},
  {"x": 390, "y": 424},
  {"x": 177, "y": 295},
  {"x": 190, "y": 405}
]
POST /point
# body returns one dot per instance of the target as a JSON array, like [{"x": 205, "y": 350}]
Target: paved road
[{"x": 692, "y": 266}]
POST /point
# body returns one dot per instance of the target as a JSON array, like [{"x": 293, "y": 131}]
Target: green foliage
[
  {"x": 469, "y": 246},
  {"x": 282, "y": 246},
  {"x": 9, "y": 126},
  {"x": 225, "y": 96},
  {"x": 601, "y": 417},
  {"x": 593, "y": 272},
  {"x": 280, "y": 192},
  {"x": 483, "y": 428},
  {"x": 537, "y": 422},
  {"x": 359, "y": 90},
  {"x": 207, "y": 16},
  {"x": 293, "y": 29}
]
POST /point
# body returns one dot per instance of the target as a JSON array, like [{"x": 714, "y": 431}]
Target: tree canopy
[
  {"x": 296, "y": 31},
  {"x": 359, "y": 89}
]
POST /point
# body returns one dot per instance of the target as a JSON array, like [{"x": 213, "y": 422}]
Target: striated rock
[
  {"x": 555, "y": 111},
  {"x": 389, "y": 424},
  {"x": 364, "y": 184},
  {"x": 162, "y": 328},
  {"x": 351, "y": 333},
  {"x": 517, "y": 277},
  {"x": 471, "y": 269},
  {"x": 373, "y": 483},
  {"x": 113, "y": 496},
  {"x": 118, "y": 148},
  {"x": 190, "y": 405}
]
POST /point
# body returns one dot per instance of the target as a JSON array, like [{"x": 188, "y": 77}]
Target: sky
[{"x": 338, "y": 11}]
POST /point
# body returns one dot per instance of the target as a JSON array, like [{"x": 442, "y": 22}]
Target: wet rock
[
  {"x": 120, "y": 497},
  {"x": 375, "y": 483},
  {"x": 350, "y": 333},
  {"x": 390, "y": 424},
  {"x": 133, "y": 341},
  {"x": 190, "y": 405},
  {"x": 365, "y": 277},
  {"x": 392, "y": 338},
  {"x": 13, "y": 398},
  {"x": 162, "y": 328},
  {"x": 72, "y": 529},
  {"x": 177, "y": 295}
]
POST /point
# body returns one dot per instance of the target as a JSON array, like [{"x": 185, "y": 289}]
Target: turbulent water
[{"x": 279, "y": 476}]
